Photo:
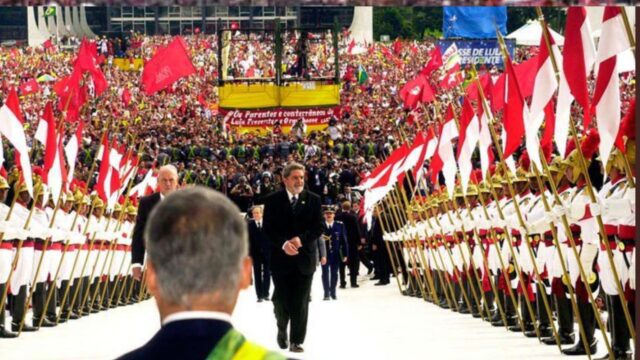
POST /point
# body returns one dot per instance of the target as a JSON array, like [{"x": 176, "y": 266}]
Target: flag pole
[{"x": 592, "y": 197}]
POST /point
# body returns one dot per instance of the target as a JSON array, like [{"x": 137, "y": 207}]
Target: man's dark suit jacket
[
  {"x": 259, "y": 244},
  {"x": 147, "y": 204},
  {"x": 281, "y": 223},
  {"x": 350, "y": 222},
  {"x": 182, "y": 339}
]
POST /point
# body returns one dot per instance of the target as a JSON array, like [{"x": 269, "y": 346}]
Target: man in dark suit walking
[
  {"x": 197, "y": 232},
  {"x": 260, "y": 252},
  {"x": 381, "y": 256},
  {"x": 167, "y": 182},
  {"x": 293, "y": 223},
  {"x": 355, "y": 239}
]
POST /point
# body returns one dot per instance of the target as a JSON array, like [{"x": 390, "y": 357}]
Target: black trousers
[
  {"x": 354, "y": 266},
  {"x": 261, "y": 277},
  {"x": 383, "y": 264},
  {"x": 291, "y": 303}
]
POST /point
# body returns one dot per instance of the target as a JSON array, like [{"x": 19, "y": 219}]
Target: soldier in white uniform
[
  {"x": 11, "y": 233},
  {"x": 617, "y": 199},
  {"x": 22, "y": 274}
]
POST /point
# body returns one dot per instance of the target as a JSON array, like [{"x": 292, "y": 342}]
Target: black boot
[
  {"x": 620, "y": 335},
  {"x": 589, "y": 323},
  {"x": 4, "y": 333}
]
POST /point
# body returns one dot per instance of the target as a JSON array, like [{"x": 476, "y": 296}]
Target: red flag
[
  {"x": 71, "y": 95},
  {"x": 201, "y": 100},
  {"x": 126, "y": 97},
  {"x": 452, "y": 79},
  {"x": 435, "y": 62},
  {"x": 29, "y": 87},
  {"x": 352, "y": 44},
  {"x": 48, "y": 45},
  {"x": 513, "y": 117},
  {"x": 411, "y": 92},
  {"x": 100, "y": 186},
  {"x": 167, "y": 66},
  {"x": 51, "y": 146},
  {"x": 87, "y": 61},
  {"x": 397, "y": 47},
  {"x": 525, "y": 72},
  {"x": 549, "y": 124},
  {"x": 578, "y": 57},
  {"x": 606, "y": 99}
]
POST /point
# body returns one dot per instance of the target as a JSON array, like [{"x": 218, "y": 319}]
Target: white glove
[
  {"x": 596, "y": 209},
  {"x": 549, "y": 217},
  {"x": 559, "y": 211}
]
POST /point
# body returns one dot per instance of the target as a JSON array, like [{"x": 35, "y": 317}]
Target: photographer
[{"x": 242, "y": 194}]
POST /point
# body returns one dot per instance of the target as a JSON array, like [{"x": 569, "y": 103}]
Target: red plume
[
  {"x": 627, "y": 126},
  {"x": 590, "y": 143}
]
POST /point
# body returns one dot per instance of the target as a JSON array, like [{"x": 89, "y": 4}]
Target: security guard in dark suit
[{"x": 334, "y": 237}]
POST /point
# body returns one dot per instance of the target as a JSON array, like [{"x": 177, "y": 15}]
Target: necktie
[
  {"x": 294, "y": 201},
  {"x": 260, "y": 225}
]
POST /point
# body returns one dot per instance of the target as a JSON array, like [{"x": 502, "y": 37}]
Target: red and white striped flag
[
  {"x": 469, "y": 135},
  {"x": 11, "y": 127},
  {"x": 606, "y": 99},
  {"x": 578, "y": 57},
  {"x": 444, "y": 159},
  {"x": 544, "y": 88},
  {"x": 71, "y": 150}
]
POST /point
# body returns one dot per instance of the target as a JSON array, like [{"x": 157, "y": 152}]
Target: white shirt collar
[
  {"x": 190, "y": 315},
  {"x": 161, "y": 196},
  {"x": 329, "y": 225},
  {"x": 291, "y": 195}
]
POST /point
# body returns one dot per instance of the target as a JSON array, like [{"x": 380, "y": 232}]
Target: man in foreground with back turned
[
  {"x": 293, "y": 223},
  {"x": 197, "y": 264}
]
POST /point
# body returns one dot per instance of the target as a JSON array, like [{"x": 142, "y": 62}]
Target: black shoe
[
  {"x": 381, "y": 283},
  {"x": 463, "y": 309},
  {"x": 266, "y": 298},
  {"x": 443, "y": 304},
  {"x": 511, "y": 321},
  {"x": 296, "y": 348},
  {"x": 45, "y": 323},
  {"x": 259, "y": 300},
  {"x": 355, "y": 285},
  {"x": 565, "y": 339},
  {"x": 578, "y": 349},
  {"x": 326, "y": 298},
  {"x": 476, "y": 314},
  {"x": 6, "y": 334},
  {"x": 63, "y": 319},
  {"x": 342, "y": 286},
  {"x": 375, "y": 278},
  {"x": 619, "y": 355},
  {"x": 26, "y": 328},
  {"x": 518, "y": 328},
  {"x": 545, "y": 332},
  {"x": 369, "y": 270},
  {"x": 334, "y": 297},
  {"x": 282, "y": 339}
]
